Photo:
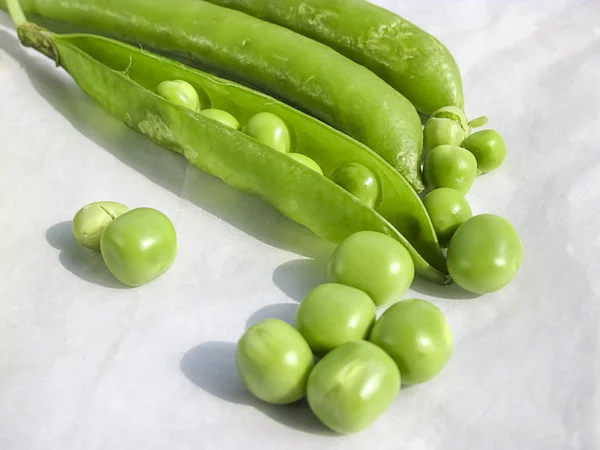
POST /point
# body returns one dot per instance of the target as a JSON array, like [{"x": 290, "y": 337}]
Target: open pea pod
[{"x": 122, "y": 79}]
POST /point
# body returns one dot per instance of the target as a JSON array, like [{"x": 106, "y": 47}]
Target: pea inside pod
[
  {"x": 269, "y": 129},
  {"x": 360, "y": 181},
  {"x": 221, "y": 116},
  {"x": 181, "y": 93}
]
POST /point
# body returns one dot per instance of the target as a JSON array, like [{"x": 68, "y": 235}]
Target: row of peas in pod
[{"x": 271, "y": 130}]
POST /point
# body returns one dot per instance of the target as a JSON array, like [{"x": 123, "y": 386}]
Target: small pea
[
  {"x": 450, "y": 166},
  {"x": 374, "y": 263},
  {"x": 91, "y": 220},
  {"x": 484, "y": 254},
  {"x": 448, "y": 210},
  {"x": 488, "y": 148},
  {"x": 139, "y": 246},
  {"x": 181, "y": 93},
  {"x": 360, "y": 181},
  {"x": 352, "y": 386},
  {"x": 274, "y": 362},
  {"x": 221, "y": 116},
  {"x": 269, "y": 129},
  {"x": 333, "y": 314},
  {"x": 446, "y": 126},
  {"x": 308, "y": 162},
  {"x": 417, "y": 337}
]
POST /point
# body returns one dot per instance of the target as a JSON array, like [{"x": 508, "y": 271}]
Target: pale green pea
[
  {"x": 181, "y": 93},
  {"x": 446, "y": 126},
  {"x": 308, "y": 162},
  {"x": 450, "y": 166},
  {"x": 221, "y": 116},
  {"x": 488, "y": 148},
  {"x": 448, "y": 210},
  {"x": 269, "y": 129},
  {"x": 91, "y": 220},
  {"x": 139, "y": 246},
  {"x": 274, "y": 362}
]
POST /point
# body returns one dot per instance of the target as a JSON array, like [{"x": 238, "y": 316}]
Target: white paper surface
[{"x": 86, "y": 364}]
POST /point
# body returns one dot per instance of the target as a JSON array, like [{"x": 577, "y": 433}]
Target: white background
[{"x": 86, "y": 364}]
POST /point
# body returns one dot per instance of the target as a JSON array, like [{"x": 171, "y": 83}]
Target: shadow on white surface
[
  {"x": 451, "y": 292},
  {"x": 82, "y": 262},
  {"x": 211, "y": 367},
  {"x": 244, "y": 212},
  {"x": 296, "y": 278},
  {"x": 282, "y": 311}
]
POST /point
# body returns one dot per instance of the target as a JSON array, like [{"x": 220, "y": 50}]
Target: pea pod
[
  {"x": 412, "y": 61},
  {"x": 122, "y": 79},
  {"x": 285, "y": 64}
]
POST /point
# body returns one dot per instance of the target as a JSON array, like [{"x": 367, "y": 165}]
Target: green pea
[
  {"x": 415, "y": 334},
  {"x": 333, "y": 314},
  {"x": 139, "y": 246},
  {"x": 360, "y": 181},
  {"x": 374, "y": 263},
  {"x": 221, "y": 116},
  {"x": 446, "y": 126},
  {"x": 488, "y": 148},
  {"x": 274, "y": 362},
  {"x": 269, "y": 129},
  {"x": 352, "y": 386},
  {"x": 484, "y": 254},
  {"x": 308, "y": 162},
  {"x": 448, "y": 210},
  {"x": 91, "y": 220},
  {"x": 181, "y": 93},
  {"x": 450, "y": 166}
]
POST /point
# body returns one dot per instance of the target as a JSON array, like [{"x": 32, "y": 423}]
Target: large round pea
[
  {"x": 448, "y": 210},
  {"x": 221, "y": 116},
  {"x": 446, "y": 126},
  {"x": 415, "y": 334},
  {"x": 274, "y": 362},
  {"x": 181, "y": 93},
  {"x": 332, "y": 314},
  {"x": 450, "y": 166},
  {"x": 484, "y": 254},
  {"x": 139, "y": 246},
  {"x": 374, "y": 263},
  {"x": 308, "y": 162},
  {"x": 360, "y": 181},
  {"x": 352, "y": 386},
  {"x": 91, "y": 220},
  {"x": 488, "y": 148},
  {"x": 269, "y": 129}
]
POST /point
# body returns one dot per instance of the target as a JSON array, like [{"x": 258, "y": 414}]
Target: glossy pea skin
[
  {"x": 374, "y": 263},
  {"x": 450, "y": 166},
  {"x": 181, "y": 93},
  {"x": 484, "y": 254},
  {"x": 221, "y": 116},
  {"x": 308, "y": 162},
  {"x": 333, "y": 314},
  {"x": 446, "y": 126},
  {"x": 488, "y": 147},
  {"x": 271, "y": 130},
  {"x": 360, "y": 181},
  {"x": 352, "y": 386},
  {"x": 448, "y": 210},
  {"x": 417, "y": 337},
  {"x": 274, "y": 362},
  {"x": 139, "y": 246},
  {"x": 91, "y": 220}
]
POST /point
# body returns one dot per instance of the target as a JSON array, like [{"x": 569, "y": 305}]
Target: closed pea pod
[
  {"x": 289, "y": 66},
  {"x": 122, "y": 79}
]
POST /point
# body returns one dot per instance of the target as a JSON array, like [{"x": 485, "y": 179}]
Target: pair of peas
[
  {"x": 271, "y": 130},
  {"x": 484, "y": 252},
  {"x": 137, "y": 246},
  {"x": 363, "y": 360}
]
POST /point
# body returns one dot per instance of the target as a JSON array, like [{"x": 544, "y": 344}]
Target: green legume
[
  {"x": 180, "y": 93},
  {"x": 360, "y": 182},
  {"x": 450, "y": 166},
  {"x": 221, "y": 116},
  {"x": 305, "y": 160},
  {"x": 91, "y": 220},
  {"x": 488, "y": 148},
  {"x": 448, "y": 210}
]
